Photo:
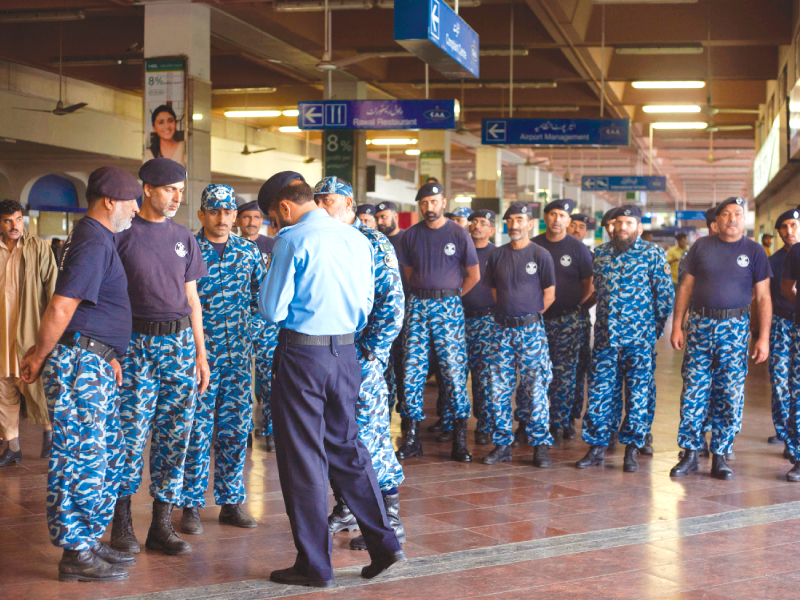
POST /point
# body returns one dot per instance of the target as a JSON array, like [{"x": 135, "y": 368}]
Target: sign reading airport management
[
  {"x": 377, "y": 114},
  {"x": 556, "y": 132},
  {"x": 627, "y": 183}
]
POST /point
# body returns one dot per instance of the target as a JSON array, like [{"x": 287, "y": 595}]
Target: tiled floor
[{"x": 449, "y": 508}]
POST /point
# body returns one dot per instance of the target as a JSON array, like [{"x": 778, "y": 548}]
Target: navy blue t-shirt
[
  {"x": 520, "y": 277},
  {"x": 776, "y": 264},
  {"x": 219, "y": 247},
  {"x": 438, "y": 257},
  {"x": 265, "y": 244},
  {"x": 90, "y": 269},
  {"x": 791, "y": 270},
  {"x": 480, "y": 296},
  {"x": 573, "y": 263},
  {"x": 159, "y": 259},
  {"x": 725, "y": 272}
]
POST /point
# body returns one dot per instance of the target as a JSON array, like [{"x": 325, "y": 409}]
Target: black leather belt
[
  {"x": 720, "y": 314},
  {"x": 783, "y": 313},
  {"x": 161, "y": 327},
  {"x": 481, "y": 312},
  {"x": 518, "y": 321},
  {"x": 104, "y": 351},
  {"x": 301, "y": 339},
  {"x": 434, "y": 294},
  {"x": 560, "y": 312}
]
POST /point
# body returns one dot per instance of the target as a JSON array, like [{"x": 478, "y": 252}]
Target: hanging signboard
[
  {"x": 626, "y": 183},
  {"x": 556, "y": 132},
  {"x": 377, "y": 114},
  {"x": 165, "y": 108},
  {"x": 339, "y": 155}
]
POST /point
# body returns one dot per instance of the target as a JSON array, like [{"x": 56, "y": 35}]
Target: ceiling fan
[{"x": 246, "y": 151}]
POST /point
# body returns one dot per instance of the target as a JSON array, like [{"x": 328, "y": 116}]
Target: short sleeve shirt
[
  {"x": 480, "y": 297},
  {"x": 725, "y": 272},
  {"x": 520, "y": 278},
  {"x": 437, "y": 257},
  {"x": 90, "y": 270},
  {"x": 159, "y": 259},
  {"x": 776, "y": 262},
  {"x": 573, "y": 263},
  {"x": 791, "y": 270}
]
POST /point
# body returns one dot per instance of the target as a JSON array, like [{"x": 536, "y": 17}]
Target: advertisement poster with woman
[{"x": 165, "y": 109}]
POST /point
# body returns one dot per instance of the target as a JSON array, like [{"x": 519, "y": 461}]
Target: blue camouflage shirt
[
  {"x": 634, "y": 294},
  {"x": 229, "y": 296}
]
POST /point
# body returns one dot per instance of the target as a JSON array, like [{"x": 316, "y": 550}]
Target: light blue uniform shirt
[{"x": 321, "y": 278}]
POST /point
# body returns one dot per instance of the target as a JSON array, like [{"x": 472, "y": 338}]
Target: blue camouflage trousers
[
  {"x": 159, "y": 393},
  {"x": 780, "y": 347},
  {"x": 635, "y": 362},
  {"x": 227, "y": 404},
  {"x": 523, "y": 348},
  {"x": 441, "y": 320},
  {"x": 479, "y": 332},
  {"x": 793, "y": 420},
  {"x": 87, "y": 457},
  {"x": 264, "y": 343},
  {"x": 564, "y": 336},
  {"x": 715, "y": 360},
  {"x": 584, "y": 359}
]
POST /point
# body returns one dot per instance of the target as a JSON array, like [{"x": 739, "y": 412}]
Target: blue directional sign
[
  {"x": 432, "y": 31},
  {"x": 690, "y": 215},
  {"x": 627, "y": 183},
  {"x": 556, "y": 132},
  {"x": 377, "y": 114}
]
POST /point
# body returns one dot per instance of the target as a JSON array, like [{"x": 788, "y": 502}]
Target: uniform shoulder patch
[
  {"x": 385, "y": 246},
  {"x": 390, "y": 261}
]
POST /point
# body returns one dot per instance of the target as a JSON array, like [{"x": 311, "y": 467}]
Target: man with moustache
[
  {"x": 579, "y": 226},
  {"x": 366, "y": 213}
]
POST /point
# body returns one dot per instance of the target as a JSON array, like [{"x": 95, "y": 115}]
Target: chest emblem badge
[
  {"x": 450, "y": 249},
  {"x": 181, "y": 250},
  {"x": 530, "y": 268},
  {"x": 742, "y": 261},
  {"x": 566, "y": 260}
]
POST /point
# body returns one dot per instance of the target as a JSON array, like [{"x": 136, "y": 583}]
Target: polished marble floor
[{"x": 509, "y": 531}]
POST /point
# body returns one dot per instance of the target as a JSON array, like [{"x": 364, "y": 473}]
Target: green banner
[
  {"x": 339, "y": 154},
  {"x": 161, "y": 65}
]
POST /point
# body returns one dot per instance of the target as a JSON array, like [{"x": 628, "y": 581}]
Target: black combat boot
[
  {"x": 558, "y": 435},
  {"x": 162, "y": 536},
  {"x": 630, "y": 464},
  {"x": 446, "y": 436},
  {"x": 412, "y": 445},
  {"x": 482, "y": 438},
  {"x": 437, "y": 427},
  {"x": 460, "y": 451},
  {"x": 47, "y": 444},
  {"x": 612, "y": 440},
  {"x": 113, "y": 557},
  {"x": 595, "y": 457},
  {"x": 499, "y": 454},
  {"x": 569, "y": 432},
  {"x": 794, "y": 473},
  {"x": 10, "y": 457},
  {"x": 85, "y": 565},
  {"x": 190, "y": 520},
  {"x": 122, "y": 536},
  {"x": 341, "y": 519},
  {"x": 520, "y": 435},
  {"x": 647, "y": 449},
  {"x": 270, "y": 442},
  {"x": 720, "y": 469},
  {"x": 234, "y": 514},
  {"x": 689, "y": 464},
  {"x": 774, "y": 439},
  {"x": 392, "y": 505},
  {"x": 541, "y": 458}
]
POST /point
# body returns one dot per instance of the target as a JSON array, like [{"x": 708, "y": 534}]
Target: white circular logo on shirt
[
  {"x": 450, "y": 249},
  {"x": 180, "y": 250},
  {"x": 742, "y": 260},
  {"x": 566, "y": 260},
  {"x": 530, "y": 268}
]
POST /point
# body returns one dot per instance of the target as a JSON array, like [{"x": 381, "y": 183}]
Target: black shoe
[
  {"x": 499, "y": 454},
  {"x": 647, "y": 449},
  {"x": 541, "y": 458},
  {"x": 630, "y": 464},
  {"x": 233, "y": 514},
  {"x": 569, "y": 432},
  {"x": 162, "y": 536},
  {"x": 787, "y": 454},
  {"x": 689, "y": 463},
  {"x": 405, "y": 423},
  {"x": 84, "y": 565},
  {"x": 595, "y": 457},
  {"x": 392, "y": 506},
  {"x": 122, "y": 536},
  {"x": 437, "y": 427},
  {"x": 113, "y": 557},
  {"x": 190, "y": 521},
  {"x": 794, "y": 473},
  {"x": 446, "y": 436},
  {"x": 270, "y": 439},
  {"x": 558, "y": 435},
  {"x": 8, "y": 457},
  {"x": 704, "y": 452},
  {"x": 612, "y": 441},
  {"x": 482, "y": 439},
  {"x": 412, "y": 445},
  {"x": 774, "y": 439},
  {"x": 382, "y": 565},
  {"x": 341, "y": 519},
  {"x": 520, "y": 435},
  {"x": 47, "y": 444},
  {"x": 291, "y": 576},
  {"x": 460, "y": 452},
  {"x": 720, "y": 469},
  {"x": 250, "y": 440}
]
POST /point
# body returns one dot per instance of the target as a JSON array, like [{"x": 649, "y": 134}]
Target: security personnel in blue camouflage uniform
[
  {"x": 436, "y": 255},
  {"x": 722, "y": 272},
  {"x": 562, "y": 320},
  {"x": 366, "y": 213},
  {"x": 373, "y": 345},
  {"x": 579, "y": 228},
  {"x": 86, "y": 325},
  {"x": 790, "y": 275},
  {"x": 634, "y": 291},
  {"x": 264, "y": 334},
  {"x": 229, "y": 296}
]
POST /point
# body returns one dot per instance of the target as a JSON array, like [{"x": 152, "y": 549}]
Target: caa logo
[
  {"x": 450, "y": 249},
  {"x": 180, "y": 250},
  {"x": 437, "y": 114},
  {"x": 742, "y": 261},
  {"x": 530, "y": 268},
  {"x": 566, "y": 260}
]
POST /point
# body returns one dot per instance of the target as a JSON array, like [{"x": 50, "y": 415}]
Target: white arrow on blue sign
[
  {"x": 312, "y": 114},
  {"x": 496, "y": 130},
  {"x": 435, "y": 19}
]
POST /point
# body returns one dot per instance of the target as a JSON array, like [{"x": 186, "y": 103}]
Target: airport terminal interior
[{"x": 673, "y": 106}]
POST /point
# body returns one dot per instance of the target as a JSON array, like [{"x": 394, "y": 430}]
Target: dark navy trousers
[{"x": 314, "y": 393}]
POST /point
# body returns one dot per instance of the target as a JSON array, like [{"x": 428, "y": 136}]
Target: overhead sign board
[
  {"x": 377, "y": 114},
  {"x": 556, "y": 132},
  {"x": 690, "y": 215},
  {"x": 433, "y": 32},
  {"x": 615, "y": 183}
]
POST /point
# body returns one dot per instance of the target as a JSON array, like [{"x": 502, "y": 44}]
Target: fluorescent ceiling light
[
  {"x": 392, "y": 142},
  {"x": 289, "y": 129},
  {"x": 692, "y": 125},
  {"x": 42, "y": 16},
  {"x": 462, "y": 199},
  {"x": 254, "y": 90},
  {"x": 671, "y": 108},
  {"x": 291, "y": 113},
  {"x": 197, "y": 117},
  {"x": 644, "y": 1},
  {"x": 647, "y": 50},
  {"x": 413, "y": 152},
  {"x": 234, "y": 114},
  {"x": 668, "y": 85}
]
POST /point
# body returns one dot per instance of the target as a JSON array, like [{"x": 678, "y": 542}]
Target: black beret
[
  {"x": 629, "y": 210},
  {"x": 365, "y": 209},
  {"x": 482, "y": 212},
  {"x": 518, "y": 208},
  {"x": 275, "y": 184},
  {"x": 711, "y": 216},
  {"x": 248, "y": 206},
  {"x": 429, "y": 189},
  {"x": 162, "y": 171},
  {"x": 609, "y": 216},
  {"x": 789, "y": 214},
  {"x": 114, "y": 183},
  {"x": 388, "y": 205},
  {"x": 732, "y": 200},
  {"x": 581, "y": 217},
  {"x": 449, "y": 215},
  {"x": 564, "y": 204}
]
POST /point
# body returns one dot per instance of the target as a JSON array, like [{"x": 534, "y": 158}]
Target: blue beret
[
  {"x": 333, "y": 185},
  {"x": 365, "y": 209},
  {"x": 564, "y": 204},
  {"x": 629, "y": 210},
  {"x": 484, "y": 213},
  {"x": 711, "y": 216},
  {"x": 114, "y": 183},
  {"x": 728, "y": 201},
  {"x": 429, "y": 189},
  {"x": 789, "y": 214},
  {"x": 581, "y": 217},
  {"x": 275, "y": 184},
  {"x": 462, "y": 211},
  {"x": 386, "y": 206},
  {"x": 162, "y": 171},
  {"x": 248, "y": 206},
  {"x": 217, "y": 196},
  {"x": 518, "y": 208}
]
